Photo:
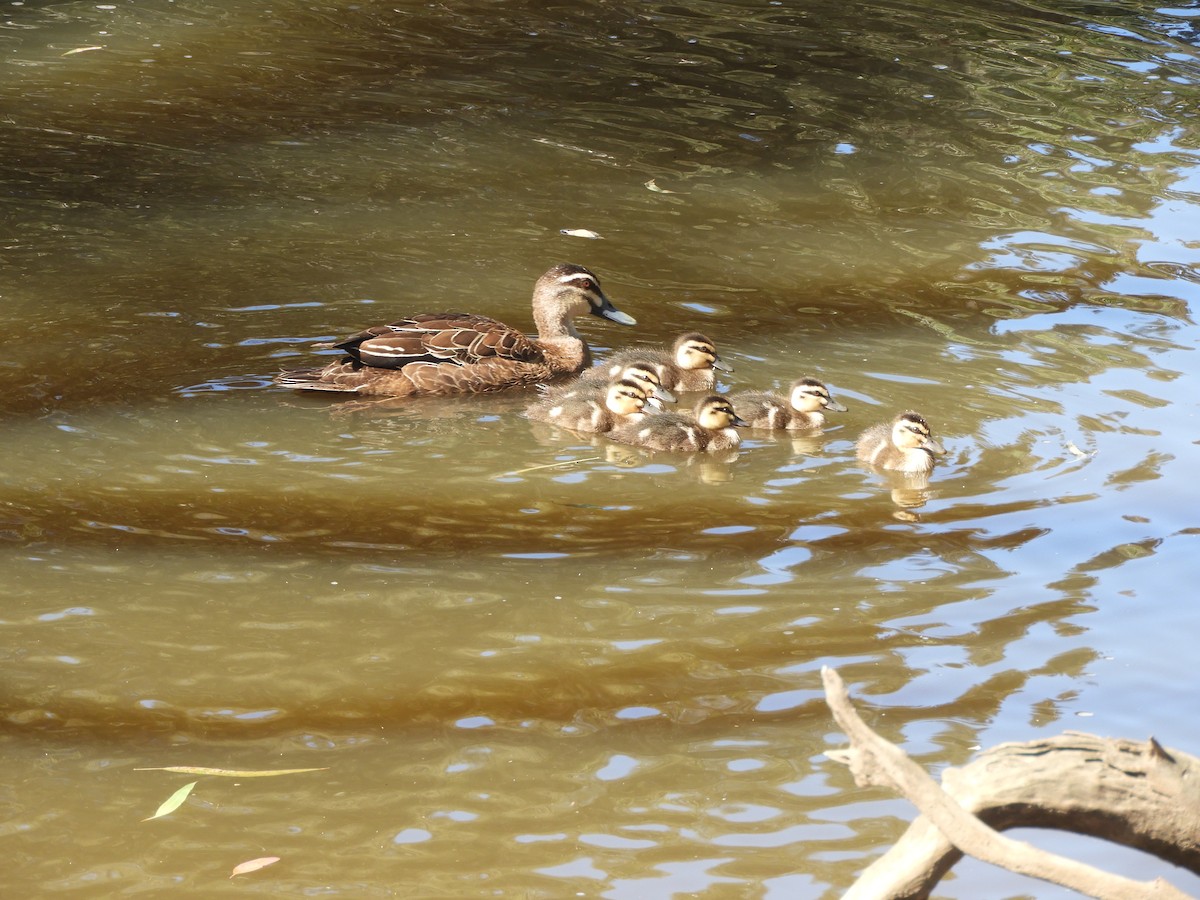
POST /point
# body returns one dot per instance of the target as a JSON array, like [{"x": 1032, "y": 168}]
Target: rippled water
[{"x": 534, "y": 664}]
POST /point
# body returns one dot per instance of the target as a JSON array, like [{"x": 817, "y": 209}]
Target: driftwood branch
[{"x": 1141, "y": 795}]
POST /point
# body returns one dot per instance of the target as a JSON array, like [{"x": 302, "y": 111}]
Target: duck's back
[
  {"x": 663, "y": 431},
  {"x": 460, "y": 338},
  {"x": 874, "y": 446},
  {"x": 763, "y": 409}
]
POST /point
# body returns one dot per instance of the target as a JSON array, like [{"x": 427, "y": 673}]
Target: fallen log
[{"x": 1140, "y": 795}]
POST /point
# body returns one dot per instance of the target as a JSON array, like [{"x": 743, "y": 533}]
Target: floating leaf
[
  {"x": 253, "y": 865},
  {"x": 80, "y": 50},
  {"x": 581, "y": 232},
  {"x": 651, "y": 186},
  {"x": 228, "y": 773},
  {"x": 173, "y": 802}
]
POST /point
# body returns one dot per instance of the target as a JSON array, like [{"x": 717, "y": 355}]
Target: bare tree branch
[{"x": 874, "y": 761}]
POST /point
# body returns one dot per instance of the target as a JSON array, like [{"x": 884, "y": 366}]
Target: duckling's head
[
  {"x": 644, "y": 374},
  {"x": 570, "y": 290},
  {"x": 809, "y": 395},
  {"x": 695, "y": 351},
  {"x": 910, "y": 431},
  {"x": 716, "y": 412},
  {"x": 625, "y": 397}
]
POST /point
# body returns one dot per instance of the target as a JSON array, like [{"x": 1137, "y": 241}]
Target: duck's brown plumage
[
  {"x": 904, "y": 444},
  {"x": 465, "y": 353},
  {"x": 801, "y": 410},
  {"x": 710, "y": 428}
]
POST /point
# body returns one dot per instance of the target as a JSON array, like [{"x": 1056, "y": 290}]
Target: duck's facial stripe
[
  {"x": 581, "y": 280},
  {"x": 641, "y": 373}
]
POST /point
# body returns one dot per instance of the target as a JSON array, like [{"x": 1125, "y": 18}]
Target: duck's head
[
  {"x": 716, "y": 412},
  {"x": 645, "y": 374},
  {"x": 625, "y": 397},
  {"x": 910, "y": 431},
  {"x": 570, "y": 290},
  {"x": 695, "y": 351},
  {"x": 810, "y": 395}
]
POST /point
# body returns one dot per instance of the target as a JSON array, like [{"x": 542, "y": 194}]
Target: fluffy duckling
[
  {"x": 712, "y": 429},
  {"x": 802, "y": 409},
  {"x": 904, "y": 445},
  {"x": 596, "y": 413},
  {"x": 641, "y": 373},
  {"x": 688, "y": 366},
  {"x": 462, "y": 353}
]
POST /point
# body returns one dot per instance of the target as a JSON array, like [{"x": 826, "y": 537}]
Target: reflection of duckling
[
  {"x": 904, "y": 445},
  {"x": 687, "y": 367},
  {"x": 641, "y": 373},
  {"x": 712, "y": 429},
  {"x": 800, "y": 410},
  {"x": 462, "y": 353},
  {"x": 622, "y": 402}
]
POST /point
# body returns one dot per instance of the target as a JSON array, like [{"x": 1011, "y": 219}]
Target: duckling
[
  {"x": 801, "y": 410},
  {"x": 641, "y": 373},
  {"x": 463, "y": 353},
  {"x": 905, "y": 444},
  {"x": 712, "y": 429},
  {"x": 687, "y": 367},
  {"x": 623, "y": 401}
]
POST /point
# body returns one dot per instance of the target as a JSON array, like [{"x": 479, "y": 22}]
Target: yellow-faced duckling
[
  {"x": 641, "y": 373},
  {"x": 904, "y": 444},
  {"x": 623, "y": 401},
  {"x": 688, "y": 366},
  {"x": 801, "y": 410},
  {"x": 462, "y": 353},
  {"x": 713, "y": 428}
]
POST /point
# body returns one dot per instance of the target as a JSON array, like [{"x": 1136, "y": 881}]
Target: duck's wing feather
[{"x": 457, "y": 338}]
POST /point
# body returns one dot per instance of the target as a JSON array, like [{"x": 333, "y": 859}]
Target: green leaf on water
[
  {"x": 227, "y": 773},
  {"x": 173, "y": 802}
]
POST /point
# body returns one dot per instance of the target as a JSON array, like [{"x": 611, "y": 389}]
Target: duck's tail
[{"x": 314, "y": 380}]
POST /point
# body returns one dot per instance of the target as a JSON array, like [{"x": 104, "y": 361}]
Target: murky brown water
[{"x": 535, "y": 665}]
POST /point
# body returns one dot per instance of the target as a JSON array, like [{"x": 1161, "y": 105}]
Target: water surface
[{"x": 531, "y": 663}]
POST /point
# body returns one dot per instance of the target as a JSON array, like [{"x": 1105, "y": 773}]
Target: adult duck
[{"x": 465, "y": 353}]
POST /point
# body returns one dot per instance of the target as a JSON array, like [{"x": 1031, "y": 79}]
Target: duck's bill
[
  {"x": 610, "y": 312},
  {"x": 721, "y": 366},
  {"x": 662, "y": 395},
  {"x": 834, "y": 406},
  {"x": 934, "y": 447},
  {"x": 739, "y": 422}
]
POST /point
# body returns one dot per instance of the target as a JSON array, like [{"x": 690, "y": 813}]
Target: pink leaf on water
[{"x": 253, "y": 865}]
